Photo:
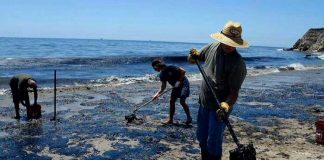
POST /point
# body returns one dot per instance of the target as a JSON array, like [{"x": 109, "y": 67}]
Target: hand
[
  {"x": 156, "y": 96},
  {"x": 177, "y": 84},
  {"x": 193, "y": 55},
  {"x": 222, "y": 112},
  {"x": 23, "y": 103}
]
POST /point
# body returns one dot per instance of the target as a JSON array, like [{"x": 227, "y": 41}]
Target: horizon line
[
  {"x": 105, "y": 39},
  {"x": 163, "y": 41}
]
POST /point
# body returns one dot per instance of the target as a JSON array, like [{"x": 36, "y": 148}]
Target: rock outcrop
[{"x": 312, "y": 41}]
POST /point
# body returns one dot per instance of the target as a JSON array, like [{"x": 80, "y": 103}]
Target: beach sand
[{"x": 275, "y": 112}]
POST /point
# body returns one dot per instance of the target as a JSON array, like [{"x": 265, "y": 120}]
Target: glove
[
  {"x": 193, "y": 54},
  {"x": 222, "y": 112},
  {"x": 177, "y": 84}
]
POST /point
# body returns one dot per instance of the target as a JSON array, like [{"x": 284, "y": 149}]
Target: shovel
[
  {"x": 132, "y": 116},
  {"x": 242, "y": 152}
]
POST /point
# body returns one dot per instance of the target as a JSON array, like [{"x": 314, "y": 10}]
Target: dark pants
[
  {"x": 210, "y": 131},
  {"x": 182, "y": 92},
  {"x": 17, "y": 95}
]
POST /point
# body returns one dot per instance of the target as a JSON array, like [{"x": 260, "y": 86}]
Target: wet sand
[{"x": 275, "y": 112}]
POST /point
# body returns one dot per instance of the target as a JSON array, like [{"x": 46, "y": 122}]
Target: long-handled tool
[
  {"x": 242, "y": 152},
  {"x": 132, "y": 116}
]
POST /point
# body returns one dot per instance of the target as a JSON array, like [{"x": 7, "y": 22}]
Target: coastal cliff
[{"x": 312, "y": 41}]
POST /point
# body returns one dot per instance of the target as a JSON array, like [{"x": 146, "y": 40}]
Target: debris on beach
[{"x": 315, "y": 109}]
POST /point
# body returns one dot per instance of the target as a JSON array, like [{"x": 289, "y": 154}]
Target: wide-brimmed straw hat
[{"x": 231, "y": 35}]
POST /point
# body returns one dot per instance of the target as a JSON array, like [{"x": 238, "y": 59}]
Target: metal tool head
[
  {"x": 243, "y": 152},
  {"x": 130, "y": 118}
]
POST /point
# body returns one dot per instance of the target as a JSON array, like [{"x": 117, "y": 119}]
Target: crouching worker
[
  {"x": 20, "y": 86},
  {"x": 175, "y": 76}
]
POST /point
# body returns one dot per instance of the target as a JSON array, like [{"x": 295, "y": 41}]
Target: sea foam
[
  {"x": 3, "y": 91},
  {"x": 321, "y": 57}
]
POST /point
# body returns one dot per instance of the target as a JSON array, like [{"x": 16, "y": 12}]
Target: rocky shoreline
[{"x": 312, "y": 41}]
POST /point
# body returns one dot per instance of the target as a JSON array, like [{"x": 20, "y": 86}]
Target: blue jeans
[{"x": 210, "y": 131}]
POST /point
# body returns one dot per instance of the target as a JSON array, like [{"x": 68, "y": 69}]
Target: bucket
[
  {"x": 34, "y": 112},
  {"x": 320, "y": 132}
]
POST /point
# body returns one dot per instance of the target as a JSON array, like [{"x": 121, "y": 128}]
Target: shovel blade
[
  {"x": 130, "y": 118},
  {"x": 244, "y": 152}
]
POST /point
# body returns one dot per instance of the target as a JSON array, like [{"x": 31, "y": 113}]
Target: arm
[
  {"x": 22, "y": 95},
  {"x": 232, "y": 97},
  {"x": 35, "y": 95},
  {"x": 33, "y": 85},
  {"x": 227, "y": 106},
  {"x": 162, "y": 88},
  {"x": 235, "y": 81},
  {"x": 182, "y": 74},
  {"x": 195, "y": 54},
  {"x": 200, "y": 55},
  {"x": 25, "y": 99}
]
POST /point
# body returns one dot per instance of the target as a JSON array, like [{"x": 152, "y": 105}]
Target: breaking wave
[
  {"x": 260, "y": 70},
  {"x": 3, "y": 91},
  {"x": 148, "y": 78},
  {"x": 321, "y": 57},
  {"x": 255, "y": 71}
]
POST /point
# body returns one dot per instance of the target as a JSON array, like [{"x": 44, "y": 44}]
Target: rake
[{"x": 130, "y": 118}]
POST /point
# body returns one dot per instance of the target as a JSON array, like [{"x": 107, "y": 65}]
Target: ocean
[{"x": 83, "y": 61}]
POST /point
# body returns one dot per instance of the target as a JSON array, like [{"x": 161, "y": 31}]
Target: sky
[{"x": 278, "y": 23}]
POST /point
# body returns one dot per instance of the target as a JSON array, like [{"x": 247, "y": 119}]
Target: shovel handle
[
  {"x": 146, "y": 103},
  {"x": 225, "y": 119},
  {"x": 202, "y": 71}
]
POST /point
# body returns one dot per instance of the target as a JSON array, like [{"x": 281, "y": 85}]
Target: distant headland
[{"x": 312, "y": 41}]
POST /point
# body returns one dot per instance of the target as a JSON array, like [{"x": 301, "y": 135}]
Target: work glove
[
  {"x": 177, "y": 84},
  {"x": 193, "y": 54},
  {"x": 222, "y": 112}
]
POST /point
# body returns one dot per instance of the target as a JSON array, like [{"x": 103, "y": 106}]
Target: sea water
[{"x": 81, "y": 61}]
